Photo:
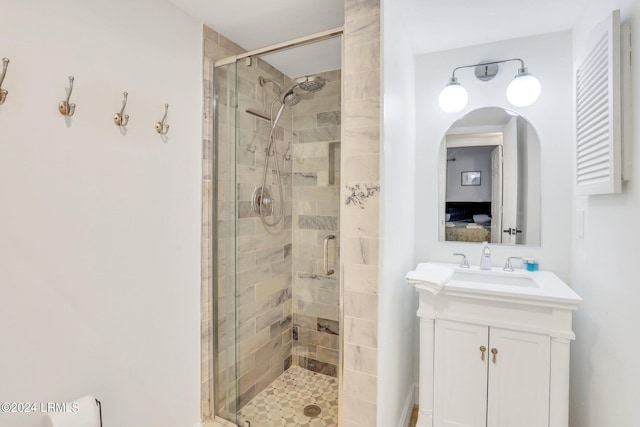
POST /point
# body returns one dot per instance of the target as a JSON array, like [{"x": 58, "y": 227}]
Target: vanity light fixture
[
  {"x": 453, "y": 97},
  {"x": 523, "y": 90}
]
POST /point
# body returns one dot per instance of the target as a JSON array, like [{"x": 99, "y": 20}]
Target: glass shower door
[
  {"x": 225, "y": 376},
  {"x": 277, "y": 290},
  {"x": 263, "y": 245}
]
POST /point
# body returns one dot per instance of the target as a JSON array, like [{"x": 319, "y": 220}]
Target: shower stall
[{"x": 276, "y": 304}]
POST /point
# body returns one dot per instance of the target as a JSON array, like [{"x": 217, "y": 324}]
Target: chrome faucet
[
  {"x": 463, "y": 262},
  {"x": 485, "y": 258},
  {"x": 508, "y": 266}
]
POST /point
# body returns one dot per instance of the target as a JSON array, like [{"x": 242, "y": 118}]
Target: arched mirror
[{"x": 490, "y": 179}]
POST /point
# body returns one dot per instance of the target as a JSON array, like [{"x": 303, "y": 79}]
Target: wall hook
[
  {"x": 120, "y": 118},
  {"x": 161, "y": 127},
  {"x": 65, "y": 108},
  {"x": 3, "y": 92}
]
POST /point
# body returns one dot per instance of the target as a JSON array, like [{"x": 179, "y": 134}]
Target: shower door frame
[
  {"x": 290, "y": 44},
  {"x": 278, "y": 47}
]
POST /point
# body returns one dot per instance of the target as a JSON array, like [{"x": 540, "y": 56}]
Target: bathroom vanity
[{"x": 494, "y": 349}]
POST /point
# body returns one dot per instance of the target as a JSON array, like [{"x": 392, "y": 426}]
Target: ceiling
[
  {"x": 432, "y": 25},
  {"x": 435, "y": 25}
]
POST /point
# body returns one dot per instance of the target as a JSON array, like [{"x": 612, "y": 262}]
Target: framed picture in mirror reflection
[{"x": 470, "y": 178}]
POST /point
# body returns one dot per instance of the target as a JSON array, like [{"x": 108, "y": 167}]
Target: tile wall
[
  {"x": 360, "y": 191},
  {"x": 316, "y": 214}
]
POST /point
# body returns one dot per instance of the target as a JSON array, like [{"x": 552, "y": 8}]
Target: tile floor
[{"x": 282, "y": 403}]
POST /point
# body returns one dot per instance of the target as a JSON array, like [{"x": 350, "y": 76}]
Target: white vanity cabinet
[
  {"x": 489, "y": 376},
  {"x": 495, "y": 355}
]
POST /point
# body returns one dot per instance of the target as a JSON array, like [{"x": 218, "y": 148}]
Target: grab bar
[{"x": 328, "y": 237}]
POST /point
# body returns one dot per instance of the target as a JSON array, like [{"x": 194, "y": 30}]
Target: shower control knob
[{"x": 262, "y": 202}]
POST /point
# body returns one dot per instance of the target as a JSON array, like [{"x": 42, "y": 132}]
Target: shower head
[
  {"x": 311, "y": 83},
  {"x": 290, "y": 98},
  {"x": 306, "y": 83}
]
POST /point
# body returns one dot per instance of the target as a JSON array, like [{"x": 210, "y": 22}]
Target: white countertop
[{"x": 517, "y": 286}]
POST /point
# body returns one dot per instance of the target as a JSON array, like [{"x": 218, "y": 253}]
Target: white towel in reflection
[
  {"x": 481, "y": 219},
  {"x": 431, "y": 274},
  {"x": 87, "y": 414},
  {"x": 475, "y": 226},
  {"x": 450, "y": 224}
]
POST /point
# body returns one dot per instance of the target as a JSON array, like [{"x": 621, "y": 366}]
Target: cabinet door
[
  {"x": 519, "y": 379},
  {"x": 460, "y": 377}
]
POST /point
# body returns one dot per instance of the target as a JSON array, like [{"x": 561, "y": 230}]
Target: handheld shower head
[{"x": 289, "y": 98}]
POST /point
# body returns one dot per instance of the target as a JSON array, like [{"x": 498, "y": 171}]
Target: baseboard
[{"x": 407, "y": 409}]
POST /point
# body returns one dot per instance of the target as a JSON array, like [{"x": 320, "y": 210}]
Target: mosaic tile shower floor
[{"x": 283, "y": 402}]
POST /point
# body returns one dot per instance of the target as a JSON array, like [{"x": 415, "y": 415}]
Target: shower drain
[{"x": 312, "y": 411}]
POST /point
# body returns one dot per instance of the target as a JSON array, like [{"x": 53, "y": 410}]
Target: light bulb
[
  {"x": 453, "y": 97},
  {"x": 524, "y": 89}
]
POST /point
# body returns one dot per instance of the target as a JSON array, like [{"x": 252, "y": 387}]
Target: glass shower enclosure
[{"x": 276, "y": 287}]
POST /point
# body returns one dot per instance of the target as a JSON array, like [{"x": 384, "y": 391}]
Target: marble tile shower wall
[
  {"x": 316, "y": 208},
  {"x": 360, "y": 190}
]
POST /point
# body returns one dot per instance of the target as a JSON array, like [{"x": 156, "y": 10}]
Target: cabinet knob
[
  {"x": 494, "y": 351},
  {"x": 482, "y": 350}
]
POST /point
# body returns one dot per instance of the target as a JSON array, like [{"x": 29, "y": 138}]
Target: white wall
[
  {"x": 99, "y": 231},
  {"x": 548, "y": 57},
  {"x": 397, "y": 302},
  {"x": 605, "y": 374},
  {"x": 469, "y": 159}
]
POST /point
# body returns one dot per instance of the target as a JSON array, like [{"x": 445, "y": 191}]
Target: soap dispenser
[{"x": 485, "y": 258}]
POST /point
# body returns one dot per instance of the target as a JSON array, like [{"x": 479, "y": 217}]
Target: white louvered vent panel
[{"x": 598, "y": 112}]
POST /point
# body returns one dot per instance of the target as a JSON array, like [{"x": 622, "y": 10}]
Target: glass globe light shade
[
  {"x": 524, "y": 89},
  {"x": 453, "y": 97}
]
